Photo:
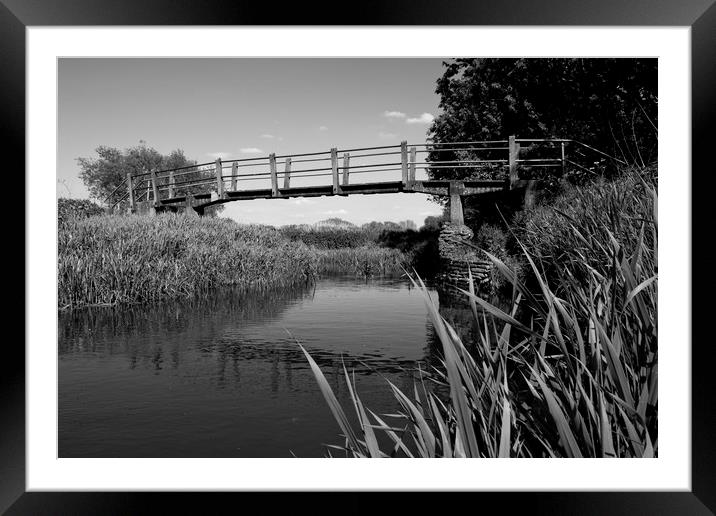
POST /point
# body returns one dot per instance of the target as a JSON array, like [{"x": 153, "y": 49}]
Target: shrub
[
  {"x": 327, "y": 238},
  {"x": 76, "y": 208}
]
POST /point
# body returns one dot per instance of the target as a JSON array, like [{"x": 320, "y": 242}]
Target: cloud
[
  {"x": 251, "y": 150},
  {"x": 393, "y": 114},
  {"x": 267, "y": 136},
  {"x": 323, "y": 128},
  {"x": 387, "y": 136},
  {"x": 218, "y": 155},
  {"x": 335, "y": 212},
  {"x": 425, "y": 118},
  {"x": 302, "y": 200}
]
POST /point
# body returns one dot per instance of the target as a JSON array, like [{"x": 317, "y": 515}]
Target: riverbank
[
  {"x": 115, "y": 259},
  {"x": 569, "y": 368}
]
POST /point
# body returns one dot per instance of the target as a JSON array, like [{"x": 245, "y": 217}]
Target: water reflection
[{"x": 223, "y": 376}]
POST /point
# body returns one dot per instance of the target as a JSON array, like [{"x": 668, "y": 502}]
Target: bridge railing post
[
  {"x": 514, "y": 152},
  {"x": 413, "y": 162},
  {"x": 219, "y": 179},
  {"x": 404, "y": 161},
  {"x": 346, "y": 167},
  {"x": 155, "y": 188},
  {"x": 130, "y": 192},
  {"x": 234, "y": 175},
  {"x": 274, "y": 178},
  {"x": 287, "y": 175},
  {"x": 334, "y": 171},
  {"x": 172, "y": 182}
]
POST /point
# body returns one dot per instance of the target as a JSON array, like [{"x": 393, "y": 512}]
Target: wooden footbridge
[{"x": 475, "y": 167}]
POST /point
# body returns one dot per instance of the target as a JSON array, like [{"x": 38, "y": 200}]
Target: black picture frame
[{"x": 700, "y": 15}]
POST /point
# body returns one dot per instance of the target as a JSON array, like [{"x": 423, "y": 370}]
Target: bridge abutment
[{"x": 456, "y": 258}]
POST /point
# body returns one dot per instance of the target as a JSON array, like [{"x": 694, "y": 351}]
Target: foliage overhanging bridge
[{"x": 474, "y": 167}]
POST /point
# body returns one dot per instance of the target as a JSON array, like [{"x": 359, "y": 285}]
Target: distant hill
[{"x": 334, "y": 223}]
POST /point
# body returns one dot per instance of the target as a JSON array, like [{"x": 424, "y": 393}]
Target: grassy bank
[
  {"x": 569, "y": 369},
  {"x": 107, "y": 260}
]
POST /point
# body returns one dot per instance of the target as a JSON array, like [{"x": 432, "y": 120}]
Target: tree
[
  {"x": 433, "y": 222},
  {"x": 104, "y": 174},
  {"x": 610, "y": 104}
]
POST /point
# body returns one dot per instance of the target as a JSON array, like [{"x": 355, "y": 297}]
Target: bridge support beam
[{"x": 456, "y": 214}]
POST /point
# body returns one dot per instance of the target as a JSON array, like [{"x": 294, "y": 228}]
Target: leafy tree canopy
[
  {"x": 610, "y": 104},
  {"x": 104, "y": 173}
]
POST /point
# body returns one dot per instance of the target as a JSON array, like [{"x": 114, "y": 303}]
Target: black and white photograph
[
  {"x": 384, "y": 257},
  {"x": 264, "y": 243}
]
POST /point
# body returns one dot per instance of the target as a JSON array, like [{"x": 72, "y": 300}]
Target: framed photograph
[{"x": 273, "y": 248}]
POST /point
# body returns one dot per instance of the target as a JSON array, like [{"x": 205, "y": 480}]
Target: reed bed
[
  {"x": 367, "y": 260},
  {"x": 115, "y": 259},
  {"x": 112, "y": 259},
  {"x": 569, "y": 369}
]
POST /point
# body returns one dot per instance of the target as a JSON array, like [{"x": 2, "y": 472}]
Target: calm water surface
[{"x": 223, "y": 376}]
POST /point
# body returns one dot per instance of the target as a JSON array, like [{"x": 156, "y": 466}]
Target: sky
[{"x": 248, "y": 107}]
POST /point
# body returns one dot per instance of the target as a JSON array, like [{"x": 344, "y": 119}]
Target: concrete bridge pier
[
  {"x": 456, "y": 255},
  {"x": 456, "y": 214}
]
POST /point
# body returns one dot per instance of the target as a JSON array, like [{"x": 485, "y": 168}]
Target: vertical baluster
[
  {"x": 130, "y": 191},
  {"x": 172, "y": 182},
  {"x": 274, "y": 178},
  {"x": 219, "y": 179},
  {"x": 155, "y": 188},
  {"x": 334, "y": 170},
  {"x": 234, "y": 175},
  {"x": 514, "y": 152},
  {"x": 413, "y": 160},
  {"x": 404, "y": 162},
  {"x": 346, "y": 167},
  {"x": 287, "y": 175}
]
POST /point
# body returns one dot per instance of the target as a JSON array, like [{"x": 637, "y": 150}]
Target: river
[{"x": 223, "y": 376}]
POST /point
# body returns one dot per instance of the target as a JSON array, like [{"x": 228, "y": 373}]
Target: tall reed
[
  {"x": 130, "y": 259},
  {"x": 367, "y": 260},
  {"x": 568, "y": 370}
]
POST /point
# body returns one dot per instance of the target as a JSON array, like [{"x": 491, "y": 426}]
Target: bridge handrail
[{"x": 214, "y": 172}]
